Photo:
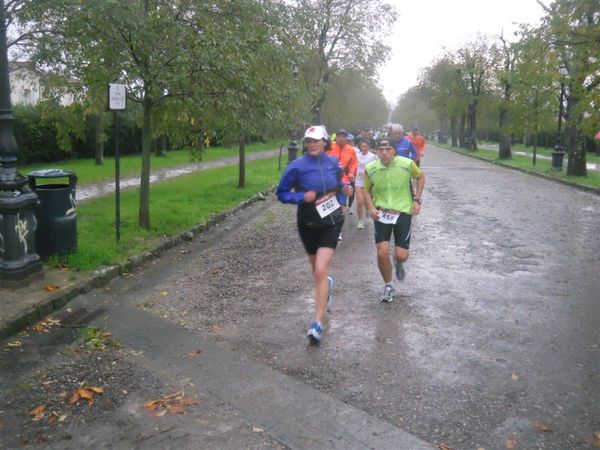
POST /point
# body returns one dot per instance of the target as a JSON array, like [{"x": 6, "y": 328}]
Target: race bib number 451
[
  {"x": 387, "y": 216},
  {"x": 327, "y": 204}
]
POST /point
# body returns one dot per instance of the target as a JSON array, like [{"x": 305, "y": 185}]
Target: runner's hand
[
  {"x": 348, "y": 191},
  {"x": 310, "y": 196},
  {"x": 416, "y": 208},
  {"x": 374, "y": 214}
]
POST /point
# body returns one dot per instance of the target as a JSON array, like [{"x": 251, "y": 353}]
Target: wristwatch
[{"x": 418, "y": 200}]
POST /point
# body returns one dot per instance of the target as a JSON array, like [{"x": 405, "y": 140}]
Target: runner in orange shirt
[
  {"x": 346, "y": 155},
  {"x": 418, "y": 141}
]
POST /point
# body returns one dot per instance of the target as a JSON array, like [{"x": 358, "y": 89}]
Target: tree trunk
[
  {"x": 161, "y": 145},
  {"x": 504, "y": 152},
  {"x": 576, "y": 164},
  {"x": 473, "y": 127},
  {"x": 144, "y": 207},
  {"x": 242, "y": 171},
  {"x": 99, "y": 152},
  {"x": 461, "y": 131},
  {"x": 453, "y": 131}
]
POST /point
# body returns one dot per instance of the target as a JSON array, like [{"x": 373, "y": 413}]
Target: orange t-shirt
[
  {"x": 419, "y": 143},
  {"x": 348, "y": 160}
]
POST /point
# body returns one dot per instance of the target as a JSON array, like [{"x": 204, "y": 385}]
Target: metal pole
[
  {"x": 117, "y": 178},
  {"x": 560, "y": 105},
  {"x": 19, "y": 261}
]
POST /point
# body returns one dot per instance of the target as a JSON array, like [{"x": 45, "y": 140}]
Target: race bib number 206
[{"x": 327, "y": 204}]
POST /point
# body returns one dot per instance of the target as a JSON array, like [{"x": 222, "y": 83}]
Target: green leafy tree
[
  {"x": 441, "y": 82},
  {"x": 354, "y": 103},
  {"x": 336, "y": 35},
  {"x": 572, "y": 28},
  {"x": 413, "y": 109},
  {"x": 475, "y": 63}
]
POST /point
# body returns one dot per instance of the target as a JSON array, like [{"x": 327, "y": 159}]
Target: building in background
[{"x": 28, "y": 85}]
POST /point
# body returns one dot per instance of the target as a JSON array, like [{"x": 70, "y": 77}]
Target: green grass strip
[
  {"x": 176, "y": 205},
  {"x": 542, "y": 166},
  {"x": 88, "y": 172}
]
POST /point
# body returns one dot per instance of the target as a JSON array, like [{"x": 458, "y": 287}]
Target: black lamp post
[
  {"x": 559, "y": 150},
  {"x": 19, "y": 261},
  {"x": 293, "y": 144}
]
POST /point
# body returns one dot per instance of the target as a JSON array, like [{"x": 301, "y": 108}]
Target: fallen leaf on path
[
  {"x": 163, "y": 293},
  {"x": 37, "y": 413},
  {"x": 74, "y": 398},
  {"x": 511, "y": 443},
  {"x": 444, "y": 446},
  {"x": 196, "y": 353},
  {"x": 53, "y": 417},
  {"x": 257, "y": 430},
  {"x": 542, "y": 427},
  {"x": 217, "y": 326},
  {"x": 44, "y": 326},
  {"x": 14, "y": 344},
  {"x": 152, "y": 404},
  {"x": 174, "y": 403},
  {"x": 514, "y": 376},
  {"x": 51, "y": 288},
  {"x": 86, "y": 393}
]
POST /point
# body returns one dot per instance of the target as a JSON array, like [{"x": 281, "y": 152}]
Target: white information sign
[{"x": 117, "y": 97}]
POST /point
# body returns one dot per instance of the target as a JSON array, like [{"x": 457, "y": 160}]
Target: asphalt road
[{"x": 491, "y": 341}]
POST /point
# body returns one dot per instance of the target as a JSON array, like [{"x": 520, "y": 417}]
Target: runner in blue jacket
[{"x": 314, "y": 183}]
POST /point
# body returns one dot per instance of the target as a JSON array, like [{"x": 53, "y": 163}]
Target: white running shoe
[{"x": 388, "y": 294}]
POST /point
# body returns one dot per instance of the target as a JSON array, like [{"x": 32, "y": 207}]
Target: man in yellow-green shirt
[{"x": 391, "y": 205}]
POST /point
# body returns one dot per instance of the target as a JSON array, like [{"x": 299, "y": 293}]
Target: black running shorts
[
  {"x": 313, "y": 238},
  {"x": 383, "y": 231}
]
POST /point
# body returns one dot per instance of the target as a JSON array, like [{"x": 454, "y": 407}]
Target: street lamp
[
  {"x": 19, "y": 261},
  {"x": 559, "y": 149},
  {"x": 293, "y": 145}
]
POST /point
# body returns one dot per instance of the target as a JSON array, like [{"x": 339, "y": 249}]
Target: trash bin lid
[{"x": 51, "y": 173}]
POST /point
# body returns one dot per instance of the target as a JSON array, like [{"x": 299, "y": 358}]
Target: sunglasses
[{"x": 384, "y": 147}]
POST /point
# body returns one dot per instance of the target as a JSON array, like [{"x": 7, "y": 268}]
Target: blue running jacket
[{"x": 322, "y": 174}]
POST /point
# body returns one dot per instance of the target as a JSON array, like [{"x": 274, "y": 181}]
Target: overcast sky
[{"x": 425, "y": 27}]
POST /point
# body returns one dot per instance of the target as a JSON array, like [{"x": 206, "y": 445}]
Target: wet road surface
[{"x": 491, "y": 341}]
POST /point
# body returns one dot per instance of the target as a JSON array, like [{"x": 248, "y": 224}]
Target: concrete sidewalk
[{"x": 23, "y": 307}]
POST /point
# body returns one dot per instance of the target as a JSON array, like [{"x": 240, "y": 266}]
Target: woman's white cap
[{"x": 316, "y": 132}]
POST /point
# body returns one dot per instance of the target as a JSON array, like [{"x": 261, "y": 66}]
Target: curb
[
  {"x": 591, "y": 189},
  {"x": 103, "y": 276}
]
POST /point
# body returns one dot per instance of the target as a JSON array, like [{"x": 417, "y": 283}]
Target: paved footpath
[
  {"x": 240, "y": 398},
  {"x": 487, "y": 334}
]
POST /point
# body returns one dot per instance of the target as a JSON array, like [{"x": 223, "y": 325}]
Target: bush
[{"x": 35, "y": 136}]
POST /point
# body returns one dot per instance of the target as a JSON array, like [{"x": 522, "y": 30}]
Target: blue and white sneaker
[
  {"x": 315, "y": 332},
  {"x": 388, "y": 294},
  {"x": 330, "y": 282}
]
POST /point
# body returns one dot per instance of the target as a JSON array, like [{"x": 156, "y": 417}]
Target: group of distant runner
[{"x": 383, "y": 172}]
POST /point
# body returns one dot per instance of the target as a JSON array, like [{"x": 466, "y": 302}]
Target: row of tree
[
  {"x": 519, "y": 84},
  {"x": 239, "y": 66}
]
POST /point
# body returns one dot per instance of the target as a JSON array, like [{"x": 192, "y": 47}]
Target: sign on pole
[
  {"x": 117, "y": 100},
  {"x": 117, "y": 97}
]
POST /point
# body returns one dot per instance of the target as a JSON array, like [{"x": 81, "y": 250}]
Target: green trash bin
[{"x": 56, "y": 213}]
